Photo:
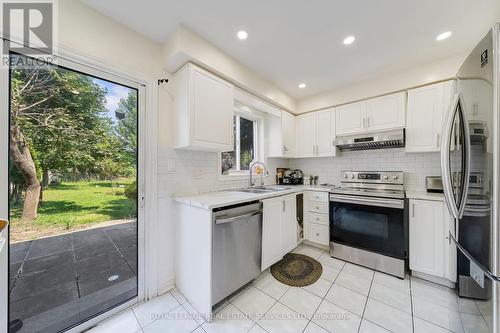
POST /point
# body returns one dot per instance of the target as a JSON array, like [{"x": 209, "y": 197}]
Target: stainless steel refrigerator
[{"x": 470, "y": 162}]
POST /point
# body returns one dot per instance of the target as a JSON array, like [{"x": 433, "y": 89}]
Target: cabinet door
[
  {"x": 427, "y": 239},
  {"x": 386, "y": 112},
  {"x": 350, "y": 118},
  {"x": 289, "y": 224},
  {"x": 288, "y": 133},
  {"x": 212, "y": 111},
  {"x": 324, "y": 145},
  {"x": 427, "y": 110},
  {"x": 272, "y": 250},
  {"x": 306, "y": 135}
]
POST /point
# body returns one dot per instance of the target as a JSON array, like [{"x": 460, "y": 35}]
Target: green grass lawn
[{"x": 75, "y": 203}]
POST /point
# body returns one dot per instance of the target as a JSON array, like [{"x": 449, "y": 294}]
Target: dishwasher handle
[{"x": 237, "y": 218}]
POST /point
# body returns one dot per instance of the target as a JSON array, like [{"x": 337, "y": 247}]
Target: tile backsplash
[
  {"x": 183, "y": 172},
  {"x": 416, "y": 166}
]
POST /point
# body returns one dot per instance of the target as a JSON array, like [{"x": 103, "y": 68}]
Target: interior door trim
[{"x": 85, "y": 65}]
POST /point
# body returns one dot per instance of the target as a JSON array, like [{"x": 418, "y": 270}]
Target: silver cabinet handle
[
  {"x": 413, "y": 210},
  {"x": 438, "y": 141},
  {"x": 368, "y": 122},
  {"x": 364, "y": 122},
  {"x": 237, "y": 218}
]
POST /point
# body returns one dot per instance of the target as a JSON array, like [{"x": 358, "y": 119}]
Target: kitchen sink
[{"x": 263, "y": 189}]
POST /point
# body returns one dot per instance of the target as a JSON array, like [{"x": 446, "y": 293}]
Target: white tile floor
[{"x": 347, "y": 298}]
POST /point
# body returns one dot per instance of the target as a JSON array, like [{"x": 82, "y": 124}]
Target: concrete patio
[{"x": 58, "y": 281}]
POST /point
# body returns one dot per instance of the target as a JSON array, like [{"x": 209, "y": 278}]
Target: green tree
[
  {"x": 56, "y": 123},
  {"x": 126, "y": 127}
]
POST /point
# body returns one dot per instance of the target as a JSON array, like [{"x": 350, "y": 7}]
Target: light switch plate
[{"x": 477, "y": 274}]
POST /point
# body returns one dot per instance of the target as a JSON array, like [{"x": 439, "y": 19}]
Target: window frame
[{"x": 258, "y": 129}]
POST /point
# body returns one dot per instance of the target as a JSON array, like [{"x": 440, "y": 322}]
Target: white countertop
[
  {"x": 423, "y": 195},
  {"x": 226, "y": 198}
]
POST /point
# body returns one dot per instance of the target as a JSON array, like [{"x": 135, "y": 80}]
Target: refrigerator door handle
[
  {"x": 467, "y": 159},
  {"x": 445, "y": 159}
]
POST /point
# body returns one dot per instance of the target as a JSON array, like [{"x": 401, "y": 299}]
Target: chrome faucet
[{"x": 251, "y": 182}]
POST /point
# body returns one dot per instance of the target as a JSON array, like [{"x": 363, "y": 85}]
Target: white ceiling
[{"x": 293, "y": 41}]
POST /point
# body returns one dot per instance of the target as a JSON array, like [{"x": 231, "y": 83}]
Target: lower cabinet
[
  {"x": 316, "y": 217},
  {"x": 279, "y": 228},
  {"x": 431, "y": 251}
]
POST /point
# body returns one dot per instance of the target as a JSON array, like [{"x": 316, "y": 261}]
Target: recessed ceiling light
[
  {"x": 444, "y": 35},
  {"x": 349, "y": 40},
  {"x": 242, "y": 34},
  {"x": 302, "y": 85}
]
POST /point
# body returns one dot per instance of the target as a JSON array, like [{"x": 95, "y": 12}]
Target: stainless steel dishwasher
[{"x": 236, "y": 249}]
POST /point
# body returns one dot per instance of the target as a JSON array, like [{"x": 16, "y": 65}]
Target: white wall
[
  {"x": 416, "y": 166},
  {"x": 185, "y": 45},
  {"x": 402, "y": 80}
]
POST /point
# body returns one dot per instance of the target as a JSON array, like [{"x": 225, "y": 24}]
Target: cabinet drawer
[
  {"x": 319, "y": 233},
  {"x": 318, "y": 196},
  {"x": 318, "y": 218},
  {"x": 318, "y": 207}
]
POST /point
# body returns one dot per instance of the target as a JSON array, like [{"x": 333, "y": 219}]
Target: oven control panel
[{"x": 384, "y": 177}]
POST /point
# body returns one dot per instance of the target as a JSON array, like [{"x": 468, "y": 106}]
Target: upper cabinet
[
  {"x": 203, "y": 110},
  {"x": 315, "y": 133},
  {"x": 280, "y": 135},
  {"x": 372, "y": 115},
  {"x": 350, "y": 118},
  {"x": 427, "y": 110},
  {"x": 306, "y": 135},
  {"x": 386, "y": 112},
  {"x": 288, "y": 133}
]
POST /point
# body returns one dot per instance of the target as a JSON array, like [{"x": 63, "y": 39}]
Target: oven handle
[{"x": 379, "y": 202}]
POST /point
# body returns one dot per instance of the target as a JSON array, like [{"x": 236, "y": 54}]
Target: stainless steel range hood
[{"x": 380, "y": 140}]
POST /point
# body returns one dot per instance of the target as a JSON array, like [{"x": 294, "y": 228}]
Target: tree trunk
[
  {"x": 45, "y": 178},
  {"x": 21, "y": 157}
]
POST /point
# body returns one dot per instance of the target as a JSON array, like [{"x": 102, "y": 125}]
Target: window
[{"x": 245, "y": 146}]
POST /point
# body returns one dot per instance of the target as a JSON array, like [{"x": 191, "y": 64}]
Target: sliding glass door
[{"x": 73, "y": 180}]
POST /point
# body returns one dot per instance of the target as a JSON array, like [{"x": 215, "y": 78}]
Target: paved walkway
[{"x": 58, "y": 281}]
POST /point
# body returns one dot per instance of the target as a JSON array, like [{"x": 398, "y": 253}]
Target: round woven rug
[{"x": 297, "y": 270}]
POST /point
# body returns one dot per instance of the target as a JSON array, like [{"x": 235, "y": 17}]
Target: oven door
[{"x": 372, "y": 224}]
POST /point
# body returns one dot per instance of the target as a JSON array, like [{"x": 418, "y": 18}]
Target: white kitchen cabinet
[
  {"x": 427, "y": 110},
  {"x": 306, "y": 135},
  {"x": 350, "y": 118},
  {"x": 203, "y": 110},
  {"x": 316, "y": 217},
  {"x": 315, "y": 133},
  {"x": 386, "y": 112},
  {"x": 325, "y": 132},
  {"x": 280, "y": 135},
  {"x": 430, "y": 250},
  {"x": 279, "y": 228},
  {"x": 289, "y": 224},
  {"x": 288, "y": 132},
  {"x": 376, "y": 114},
  {"x": 271, "y": 231}
]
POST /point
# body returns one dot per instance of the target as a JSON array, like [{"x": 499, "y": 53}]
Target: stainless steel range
[{"x": 367, "y": 220}]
